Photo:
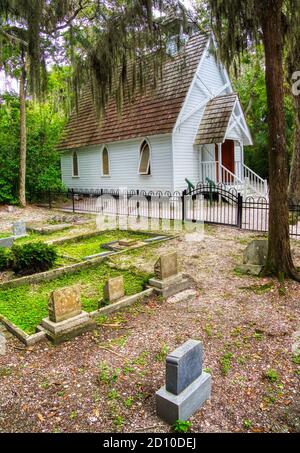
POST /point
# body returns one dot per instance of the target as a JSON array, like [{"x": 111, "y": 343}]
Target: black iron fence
[{"x": 215, "y": 204}]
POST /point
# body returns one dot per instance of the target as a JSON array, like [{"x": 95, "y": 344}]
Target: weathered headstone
[
  {"x": 114, "y": 289},
  {"x": 256, "y": 253},
  {"x": 7, "y": 243},
  {"x": 187, "y": 386},
  {"x": 64, "y": 303},
  {"x": 66, "y": 318},
  {"x": 167, "y": 280},
  {"x": 2, "y": 344},
  {"x": 254, "y": 258},
  {"x": 19, "y": 228},
  {"x": 166, "y": 266}
]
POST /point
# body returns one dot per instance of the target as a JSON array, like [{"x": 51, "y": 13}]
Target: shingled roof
[
  {"x": 152, "y": 113},
  {"x": 215, "y": 119}
]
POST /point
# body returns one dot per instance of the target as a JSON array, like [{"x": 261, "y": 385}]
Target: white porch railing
[
  {"x": 244, "y": 180},
  {"x": 209, "y": 170},
  {"x": 255, "y": 182},
  {"x": 232, "y": 180}
]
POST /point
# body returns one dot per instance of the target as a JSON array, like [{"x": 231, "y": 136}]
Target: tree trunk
[
  {"x": 22, "y": 161},
  {"x": 294, "y": 187},
  {"x": 279, "y": 260}
]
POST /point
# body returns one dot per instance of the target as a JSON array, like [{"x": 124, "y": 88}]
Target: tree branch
[
  {"x": 13, "y": 38},
  {"x": 70, "y": 19}
]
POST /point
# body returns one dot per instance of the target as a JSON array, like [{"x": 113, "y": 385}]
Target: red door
[{"x": 228, "y": 160}]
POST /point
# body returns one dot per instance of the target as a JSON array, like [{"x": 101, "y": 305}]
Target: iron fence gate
[{"x": 214, "y": 204}]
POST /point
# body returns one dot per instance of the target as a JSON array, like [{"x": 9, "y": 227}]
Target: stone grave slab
[
  {"x": 67, "y": 329},
  {"x": 48, "y": 229},
  {"x": 128, "y": 242}
]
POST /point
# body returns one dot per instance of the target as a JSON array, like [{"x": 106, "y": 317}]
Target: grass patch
[
  {"x": 26, "y": 305},
  {"x": 226, "y": 363},
  {"x": 5, "y": 235},
  {"x": 271, "y": 375},
  {"x": 34, "y": 237},
  {"x": 93, "y": 245}
]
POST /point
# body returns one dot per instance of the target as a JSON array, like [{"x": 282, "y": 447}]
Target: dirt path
[{"x": 106, "y": 380}]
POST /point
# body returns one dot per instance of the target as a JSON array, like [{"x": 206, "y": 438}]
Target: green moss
[{"x": 26, "y": 305}]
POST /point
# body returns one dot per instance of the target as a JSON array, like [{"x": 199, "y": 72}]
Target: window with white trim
[
  {"x": 75, "y": 165},
  {"x": 105, "y": 162},
  {"x": 145, "y": 164}
]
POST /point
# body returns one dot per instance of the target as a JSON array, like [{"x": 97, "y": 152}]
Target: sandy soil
[{"x": 247, "y": 325}]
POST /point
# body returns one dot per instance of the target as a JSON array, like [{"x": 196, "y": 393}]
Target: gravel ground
[
  {"x": 105, "y": 381},
  {"x": 31, "y": 214}
]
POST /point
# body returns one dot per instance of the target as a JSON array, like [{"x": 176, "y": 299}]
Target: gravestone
[
  {"x": 19, "y": 228},
  {"x": 66, "y": 318},
  {"x": 254, "y": 258},
  {"x": 167, "y": 280},
  {"x": 64, "y": 303},
  {"x": 7, "y": 243},
  {"x": 183, "y": 366},
  {"x": 114, "y": 289},
  {"x": 2, "y": 344},
  {"x": 256, "y": 253},
  {"x": 166, "y": 266},
  {"x": 187, "y": 386}
]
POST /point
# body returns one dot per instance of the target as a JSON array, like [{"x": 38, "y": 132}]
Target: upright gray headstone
[
  {"x": 2, "y": 344},
  {"x": 183, "y": 366},
  {"x": 187, "y": 386},
  {"x": 19, "y": 228}
]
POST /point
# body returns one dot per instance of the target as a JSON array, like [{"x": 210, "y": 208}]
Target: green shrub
[
  {"x": 33, "y": 257},
  {"x": 5, "y": 259}
]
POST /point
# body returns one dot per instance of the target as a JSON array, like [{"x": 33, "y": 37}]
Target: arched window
[
  {"x": 75, "y": 165},
  {"x": 145, "y": 165},
  {"x": 105, "y": 162}
]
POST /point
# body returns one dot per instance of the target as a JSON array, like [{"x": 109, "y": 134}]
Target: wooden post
[
  {"x": 183, "y": 205},
  {"x": 220, "y": 162},
  {"x": 73, "y": 200}
]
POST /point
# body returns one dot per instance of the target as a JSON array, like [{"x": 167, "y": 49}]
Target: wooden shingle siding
[{"x": 153, "y": 113}]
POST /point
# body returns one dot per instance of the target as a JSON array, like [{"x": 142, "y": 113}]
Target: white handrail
[
  {"x": 255, "y": 182},
  {"x": 228, "y": 176},
  {"x": 245, "y": 180}
]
